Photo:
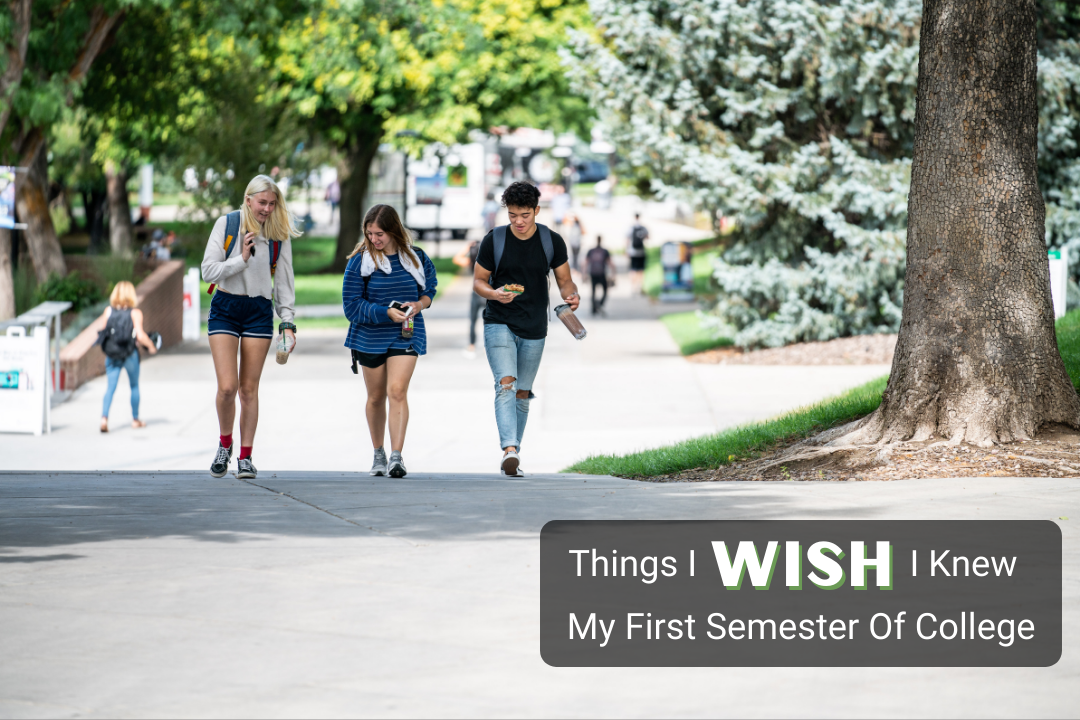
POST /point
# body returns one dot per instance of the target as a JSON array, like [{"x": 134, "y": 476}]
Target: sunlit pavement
[
  {"x": 622, "y": 388},
  {"x": 334, "y": 595}
]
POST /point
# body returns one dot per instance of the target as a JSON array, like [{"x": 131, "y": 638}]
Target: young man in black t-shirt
[{"x": 516, "y": 317}]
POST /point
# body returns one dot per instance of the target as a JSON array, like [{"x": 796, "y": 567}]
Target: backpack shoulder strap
[
  {"x": 498, "y": 237},
  {"x": 232, "y": 230},
  {"x": 275, "y": 252},
  {"x": 545, "y": 240}
]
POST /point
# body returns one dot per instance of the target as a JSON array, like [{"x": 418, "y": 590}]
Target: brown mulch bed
[
  {"x": 1055, "y": 452},
  {"x": 858, "y": 350}
]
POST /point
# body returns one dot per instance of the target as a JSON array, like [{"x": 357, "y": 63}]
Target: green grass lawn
[
  {"x": 701, "y": 263},
  {"x": 686, "y": 331},
  {"x": 749, "y": 440}
]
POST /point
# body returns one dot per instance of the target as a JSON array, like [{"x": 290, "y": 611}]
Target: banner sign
[
  {"x": 7, "y": 197},
  {"x": 800, "y": 593}
]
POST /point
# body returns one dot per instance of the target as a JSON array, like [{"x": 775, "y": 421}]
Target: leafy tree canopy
[{"x": 794, "y": 118}]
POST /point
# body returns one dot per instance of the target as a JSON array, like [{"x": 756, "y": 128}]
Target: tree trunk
[
  {"x": 32, "y": 206},
  {"x": 94, "y": 203},
  {"x": 353, "y": 174},
  {"x": 121, "y": 232},
  {"x": 19, "y": 13},
  {"x": 7, "y": 277},
  {"x": 977, "y": 357}
]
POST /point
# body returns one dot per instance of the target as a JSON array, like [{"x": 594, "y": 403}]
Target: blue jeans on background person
[
  {"x": 112, "y": 373},
  {"x": 511, "y": 356}
]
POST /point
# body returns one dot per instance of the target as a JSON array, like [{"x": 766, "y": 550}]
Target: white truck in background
[{"x": 448, "y": 193}]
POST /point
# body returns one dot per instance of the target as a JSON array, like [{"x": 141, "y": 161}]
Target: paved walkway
[
  {"x": 623, "y": 388},
  {"x": 337, "y": 595}
]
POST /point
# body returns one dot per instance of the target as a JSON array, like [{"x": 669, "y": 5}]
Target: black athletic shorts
[
  {"x": 377, "y": 360},
  {"x": 637, "y": 263}
]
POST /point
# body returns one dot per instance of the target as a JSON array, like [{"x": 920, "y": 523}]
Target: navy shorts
[{"x": 241, "y": 316}]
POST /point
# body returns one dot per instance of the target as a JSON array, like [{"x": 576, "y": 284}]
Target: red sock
[
  {"x": 245, "y": 452},
  {"x": 226, "y": 441}
]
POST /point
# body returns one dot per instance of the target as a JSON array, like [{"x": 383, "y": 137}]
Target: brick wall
[{"x": 161, "y": 299}]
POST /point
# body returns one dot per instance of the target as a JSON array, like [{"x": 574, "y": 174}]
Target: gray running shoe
[
  {"x": 378, "y": 467},
  {"x": 397, "y": 468},
  {"x": 245, "y": 470},
  {"x": 220, "y": 466}
]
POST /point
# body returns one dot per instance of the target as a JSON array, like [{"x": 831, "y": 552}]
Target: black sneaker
[
  {"x": 220, "y": 466},
  {"x": 245, "y": 470},
  {"x": 397, "y": 467}
]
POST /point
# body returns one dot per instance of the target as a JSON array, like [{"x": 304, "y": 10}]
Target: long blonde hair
[
  {"x": 280, "y": 225},
  {"x": 386, "y": 217},
  {"x": 123, "y": 296}
]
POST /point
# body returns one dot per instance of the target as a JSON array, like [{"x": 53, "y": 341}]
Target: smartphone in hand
[{"x": 407, "y": 309}]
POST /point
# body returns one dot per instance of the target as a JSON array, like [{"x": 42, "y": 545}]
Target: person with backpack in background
[
  {"x": 511, "y": 272},
  {"x": 120, "y": 332},
  {"x": 388, "y": 283},
  {"x": 598, "y": 261},
  {"x": 249, "y": 260},
  {"x": 635, "y": 250}
]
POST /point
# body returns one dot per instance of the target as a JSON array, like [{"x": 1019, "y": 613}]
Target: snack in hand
[{"x": 516, "y": 289}]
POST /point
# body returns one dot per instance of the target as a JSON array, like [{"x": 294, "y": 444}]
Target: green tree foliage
[
  {"x": 359, "y": 71},
  {"x": 794, "y": 118}
]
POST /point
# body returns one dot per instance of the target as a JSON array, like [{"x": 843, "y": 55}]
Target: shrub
[{"x": 79, "y": 292}]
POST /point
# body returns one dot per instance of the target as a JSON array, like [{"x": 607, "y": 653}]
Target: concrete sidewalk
[
  {"x": 624, "y": 388},
  {"x": 337, "y": 595}
]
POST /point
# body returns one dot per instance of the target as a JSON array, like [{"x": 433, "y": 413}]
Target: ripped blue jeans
[{"x": 514, "y": 357}]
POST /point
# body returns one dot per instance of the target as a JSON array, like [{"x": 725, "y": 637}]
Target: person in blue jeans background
[
  {"x": 384, "y": 268},
  {"x": 122, "y": 353},
  {"x": 516, "y": 322}
]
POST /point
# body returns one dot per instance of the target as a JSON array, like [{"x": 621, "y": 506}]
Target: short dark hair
[{"x": 521, "y": 194}]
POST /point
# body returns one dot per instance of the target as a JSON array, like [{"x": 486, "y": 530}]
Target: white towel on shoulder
[{"x": 367, "y": 267}]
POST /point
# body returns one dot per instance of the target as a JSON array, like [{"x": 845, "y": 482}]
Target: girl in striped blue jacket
[{"x": 385, "y": 268}]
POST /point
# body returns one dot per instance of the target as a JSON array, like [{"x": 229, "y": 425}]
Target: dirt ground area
[
  {"x": 1055, "y": 452},
  {"x": 858, "y": 350}
]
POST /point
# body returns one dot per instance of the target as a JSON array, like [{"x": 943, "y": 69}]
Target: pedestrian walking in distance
[
  {"x": 598, "y": 261},
  {"x": 511, "y": 273},
  {"x": 248, "y": 259},
  {"x": 575, "y": 232},
  {"x": 635, "y": 250},
  {"x": 466, "y": 258},
  {"x": 388, "y": 284},
  {"x": 120, "y": 332}
]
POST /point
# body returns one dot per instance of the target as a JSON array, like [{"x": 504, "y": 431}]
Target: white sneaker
[{"x": 510, "y": 463}]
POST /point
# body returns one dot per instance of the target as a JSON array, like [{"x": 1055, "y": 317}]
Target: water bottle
[{"x": 284, "y": 345}]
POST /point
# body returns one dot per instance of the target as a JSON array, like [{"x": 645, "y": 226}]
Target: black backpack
[
  {"x": 638, "y": 235},
  {"x": 117, "y": 340}
]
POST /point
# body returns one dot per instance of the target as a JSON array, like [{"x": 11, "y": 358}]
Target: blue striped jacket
[{"x": 371, "y": 330}]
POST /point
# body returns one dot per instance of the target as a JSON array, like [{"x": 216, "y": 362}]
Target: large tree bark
[
  {"x": 353, "y": 174},
  {"x": 7, "y": 277},
  {"x": 19, "y": 11},
  {"x": 32, "y": 206},
  {"x": 977, "y": 357},
  {"x": 121, "y": 232}
]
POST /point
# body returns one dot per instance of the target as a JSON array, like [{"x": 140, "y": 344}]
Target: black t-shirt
[{"x": 523, "y": 263}]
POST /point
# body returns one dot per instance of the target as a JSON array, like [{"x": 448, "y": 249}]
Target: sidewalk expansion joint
[{"x": 324, "y": 510}]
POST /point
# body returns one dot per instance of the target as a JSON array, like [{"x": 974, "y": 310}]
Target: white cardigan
[{"x": 251, "y": 278}]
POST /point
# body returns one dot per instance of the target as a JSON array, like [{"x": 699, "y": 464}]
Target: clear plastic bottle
[{"x": 284, "y": 345}]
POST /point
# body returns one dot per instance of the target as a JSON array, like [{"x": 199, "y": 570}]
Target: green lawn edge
[
  {"x": 746, "y": 441},
  {"x": 686, "y": 330}
]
